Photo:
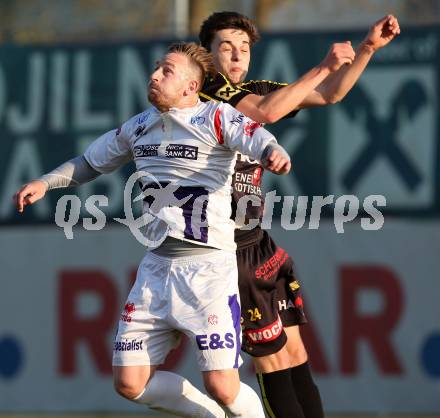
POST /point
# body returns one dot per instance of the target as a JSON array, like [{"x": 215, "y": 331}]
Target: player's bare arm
[
  {"x": 336, "y": 86},
  {"x": 327, "y": 83},
  {"x": 277, "y": 104}
]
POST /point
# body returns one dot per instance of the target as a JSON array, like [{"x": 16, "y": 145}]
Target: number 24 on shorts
[{"x": 254, "y": 314}]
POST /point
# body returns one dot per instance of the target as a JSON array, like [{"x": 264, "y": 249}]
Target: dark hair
[
  {"x": 226, "y": 20},
  {"x": 198, "y": 55}
]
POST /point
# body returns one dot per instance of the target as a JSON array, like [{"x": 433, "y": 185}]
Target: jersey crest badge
[{"x": 227, "y": 91}]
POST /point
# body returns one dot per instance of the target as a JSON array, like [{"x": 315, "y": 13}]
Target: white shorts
[{"x": 197, "y": 296}]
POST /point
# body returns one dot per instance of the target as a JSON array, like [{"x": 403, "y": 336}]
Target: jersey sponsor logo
[
  {"x": 266, "y": 334},
  {"x": 294, "y": 285},
  {"x": 214, "y": 341},
  {"x": 143, "y": 118},
  {"x": 181, "y": 151},
  {"x": 288, "y": 304},
  {"x": 171, "y": 151},
  {"x": 129, "y": 308},
  {"x": 132, "y": 345},
  {"x": 269, "y": 268},
  {"x": 285, "y": 304},
  {"x": 250, "y": 127},
  {"x": 140, "y": 131},
  {"x": 213, "y": 319},
  {"x": 247, "y": 189},
  {"x": 244, "y": 183},
  {"x": 197, "y": 120},
  {"x": 227, "y": 92},
  {"x": 146, "y": 150},
  {"x": 246, "y": 178},
  {"x": 256, "y": 177},
  {"x": 298, "y": 302},
  {"x": 237, "y": 120}
]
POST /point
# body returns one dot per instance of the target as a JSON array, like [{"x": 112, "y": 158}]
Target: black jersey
[
  {"x": 219, "y": 88},
  {"x": 247, "y": 173}
]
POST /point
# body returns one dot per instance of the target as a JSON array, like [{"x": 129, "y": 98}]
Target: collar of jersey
[{"x": 180, "y": 110}]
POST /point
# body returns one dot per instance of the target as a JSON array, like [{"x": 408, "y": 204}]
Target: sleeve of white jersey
[
  {"x": 111, "y": 150},
  {"x": 241, "y": 133}
]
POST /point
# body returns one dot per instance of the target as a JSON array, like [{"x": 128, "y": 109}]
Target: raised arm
[
  {"x": 277, "y": 104},
  {"x": 336, "y": 86},
  {"x": 327, "y": 83}
]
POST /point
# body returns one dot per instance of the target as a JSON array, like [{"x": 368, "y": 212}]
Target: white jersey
[{"x": 189, "y": 155}]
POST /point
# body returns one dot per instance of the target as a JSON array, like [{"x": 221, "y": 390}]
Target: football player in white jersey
[{"x": 185, "y": 152}]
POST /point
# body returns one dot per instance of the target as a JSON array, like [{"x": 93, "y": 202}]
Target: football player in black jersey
[{"x": 271, "y": 302}]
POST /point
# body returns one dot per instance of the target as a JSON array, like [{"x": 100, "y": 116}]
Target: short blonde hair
[{"x": 198, "y": 55}]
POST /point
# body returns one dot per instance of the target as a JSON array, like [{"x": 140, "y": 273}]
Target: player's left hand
[
  {"x": 278, "y": 162},
  {"x": 382, "y": 32}
]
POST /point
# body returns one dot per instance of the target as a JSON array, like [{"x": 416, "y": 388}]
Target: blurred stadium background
[{"x": 70, "y": 70}]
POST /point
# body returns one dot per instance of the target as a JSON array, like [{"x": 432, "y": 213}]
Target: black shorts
[{"x": 270, "y": 296}]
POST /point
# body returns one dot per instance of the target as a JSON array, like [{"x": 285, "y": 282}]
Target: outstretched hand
[
  {"x": 29, "y": 194},
  {"x": 382, "y": 32}
]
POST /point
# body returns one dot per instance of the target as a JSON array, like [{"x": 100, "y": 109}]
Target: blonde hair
[{"x": 198, "y": 56}]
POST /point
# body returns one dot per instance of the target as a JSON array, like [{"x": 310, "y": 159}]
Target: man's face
[
  {"x": 169, "y": 81},
  {"x": 232, "y": 53}
]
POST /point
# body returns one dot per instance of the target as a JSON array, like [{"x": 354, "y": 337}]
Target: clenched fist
[
  {"x": 382, "y": 32},
  {"x": 338, "y": 55},
  {"x": 278, "y": 162}
]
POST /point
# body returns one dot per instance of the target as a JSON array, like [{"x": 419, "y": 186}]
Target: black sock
[
  {"x": 278, "y": 395},
  {"x": 306, "y": 391}
]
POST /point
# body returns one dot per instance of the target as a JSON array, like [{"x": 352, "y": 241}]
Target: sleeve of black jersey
[
  {"x": 264, "y": 87},
  {"x": 220, "y": 89}
]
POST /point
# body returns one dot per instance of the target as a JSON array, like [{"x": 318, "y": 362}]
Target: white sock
[
  {"x": 172, "y": 393},
  {"x": 246, "y": 404}
]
